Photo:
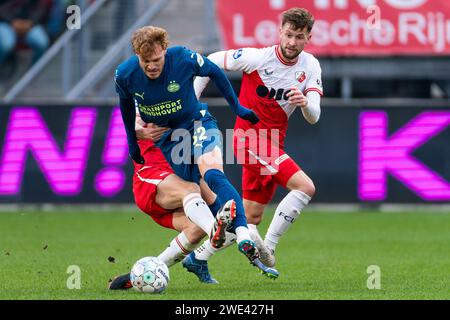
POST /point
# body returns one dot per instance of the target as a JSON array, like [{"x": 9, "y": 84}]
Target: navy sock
[
  {"x": 215, "y": 206},
  {"x": 219, "y": 184}
]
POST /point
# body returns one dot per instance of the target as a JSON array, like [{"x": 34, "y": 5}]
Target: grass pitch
[{"x": 324, "y": 255}]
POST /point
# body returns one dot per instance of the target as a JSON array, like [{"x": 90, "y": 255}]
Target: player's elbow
[
  {"x": 314, "y": 120},
  {"x": 218, "y": 58}
]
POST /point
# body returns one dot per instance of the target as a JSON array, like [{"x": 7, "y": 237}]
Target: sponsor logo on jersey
[
  {"x": 140, "y": 95},
  {"x": 268, "y": 73},
  {"x": 271, "y": 93},
  {"x": 300, "y": 76},
  {"x": 173, "y": 86},
  {"x": 237, "y": 54},
  {"x": 161, "y": 109}
]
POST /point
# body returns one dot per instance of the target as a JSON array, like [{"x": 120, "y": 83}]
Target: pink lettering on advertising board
[
  {"x": 111, "y": 179},
  {"x": 380, "y": 155},
  {"x": 63, "y": 168}
]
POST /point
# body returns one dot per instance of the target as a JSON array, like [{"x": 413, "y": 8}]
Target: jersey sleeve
[
  {"x": 200, "y": 65},
  {"x": 245, "y": 59},
  {"x": 314, "y": 79},
  {"x": 121, "y": 86}
]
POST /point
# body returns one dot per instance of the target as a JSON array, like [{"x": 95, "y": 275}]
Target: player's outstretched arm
[
  {"x": 224, "y": 85},
  {"x": 245, "y": 60}
]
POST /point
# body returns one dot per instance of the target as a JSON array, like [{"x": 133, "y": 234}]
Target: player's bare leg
[
  {"x": 187, "y": 240},
  {"x": 197, "y": 261},
  {"x": 210, "y": 197},
  {"x": 210, "y": 165},
  {"x": 301, "y": 191},
  {"x": 183, "y": 244},
  {"x": 206, "y": 250},
  {"x": 173, "y": 189},
  {"x": 174, "y": 192},
  {"x": 211, "y": 168}
]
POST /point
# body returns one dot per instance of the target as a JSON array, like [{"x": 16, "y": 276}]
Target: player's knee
[
  {"x": 307, "y": 187},
  {"x": 303, "y": 183},
  {"x": 254, "y": 220},
  {"x": 254, "y": 216},
  {"x": 253, "y": 212},
  {"x": 191, "y": 188},
  {"x": 183, "y": 189},
  {"x": 310, "y": 189}
]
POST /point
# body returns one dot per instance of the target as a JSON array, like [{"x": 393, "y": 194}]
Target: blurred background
[{"x": 383, "y": 137}]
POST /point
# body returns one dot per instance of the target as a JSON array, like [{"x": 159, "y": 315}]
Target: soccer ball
[{"x": 150, "y": 275}]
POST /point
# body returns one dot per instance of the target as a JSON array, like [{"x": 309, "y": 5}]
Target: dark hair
[{"x": 298, "y": 18}]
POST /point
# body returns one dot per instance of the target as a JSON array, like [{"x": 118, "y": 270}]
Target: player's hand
[
  {"x": 248, "y": 115},
  {"x": 139, "y": 124},
  {"x": 150, "y": 131},
  {"x": 297, "y": 98}
]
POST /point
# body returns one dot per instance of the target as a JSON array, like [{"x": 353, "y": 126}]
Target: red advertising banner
[{"x": 343, "y": 27}]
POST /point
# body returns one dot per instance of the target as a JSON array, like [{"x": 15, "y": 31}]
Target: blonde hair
[{"x": 144, "y": 40}]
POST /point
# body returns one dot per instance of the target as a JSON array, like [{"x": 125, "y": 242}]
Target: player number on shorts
[{"x": 199, "y": 136}]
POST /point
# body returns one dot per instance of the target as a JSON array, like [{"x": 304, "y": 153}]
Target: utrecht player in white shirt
[{"x": 276, "y": 81}]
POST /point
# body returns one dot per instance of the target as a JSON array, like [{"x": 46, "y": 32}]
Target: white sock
[
  {"x": 253, "y": 230},
  {"x": 178, "y": 248},
  {"x": 287, "y": 211},
  {"x": 198, "y": 212},
  {"x": 206, "y": 251},
  {"x": 242, "y": 233}
]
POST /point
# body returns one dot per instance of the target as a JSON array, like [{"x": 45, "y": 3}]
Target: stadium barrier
[{"x": 373, "y": 154}]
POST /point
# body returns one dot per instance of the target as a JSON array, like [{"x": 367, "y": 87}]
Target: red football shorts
[
  {"x": 264, "y": 166},
  {"x": 145, "y": 184}
]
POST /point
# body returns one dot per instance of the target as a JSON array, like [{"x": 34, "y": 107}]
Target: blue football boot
[{"x": 199, "y": 268}]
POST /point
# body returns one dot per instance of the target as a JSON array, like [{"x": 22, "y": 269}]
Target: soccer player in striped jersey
[{"x": 276, "y": 81}]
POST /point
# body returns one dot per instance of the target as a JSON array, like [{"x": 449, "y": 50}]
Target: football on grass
[{"x": 150, "y": 275}]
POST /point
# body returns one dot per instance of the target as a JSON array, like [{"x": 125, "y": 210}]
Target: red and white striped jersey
[{"x": 267, "y": 78}]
